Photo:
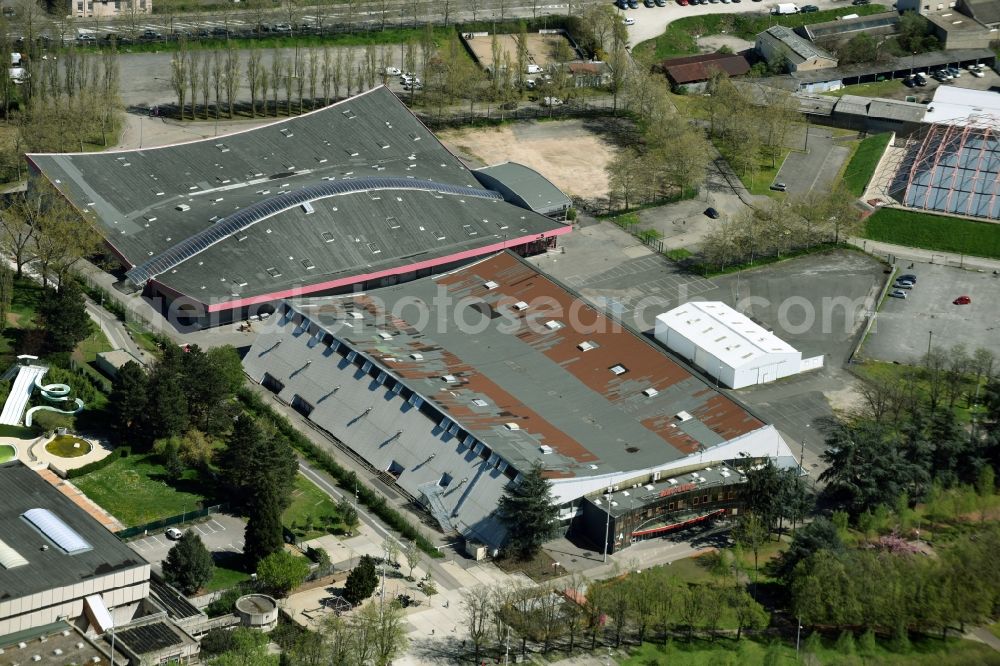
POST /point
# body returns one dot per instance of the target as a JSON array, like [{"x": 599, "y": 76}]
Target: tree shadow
[{"x": 619, "y": 131}]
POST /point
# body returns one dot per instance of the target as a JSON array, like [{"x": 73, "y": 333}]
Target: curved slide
[{"x": 52, "y": 393}]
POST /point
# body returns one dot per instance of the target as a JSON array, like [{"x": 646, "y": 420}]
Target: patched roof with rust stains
[{"x": 527, "y": 367}]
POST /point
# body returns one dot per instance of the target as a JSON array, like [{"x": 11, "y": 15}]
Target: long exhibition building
[
  {"x": 452, "y": 386},
  {"x": 353, "y": 196}
]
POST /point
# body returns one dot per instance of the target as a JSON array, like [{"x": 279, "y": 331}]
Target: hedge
[
  {"x": 345, "y": 478},
  {"x": 120, "y": 452}
]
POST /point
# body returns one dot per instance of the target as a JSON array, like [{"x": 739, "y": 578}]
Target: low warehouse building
[
  {"x": 781, "y": 46},
  {"x": 729, "y": 347}
]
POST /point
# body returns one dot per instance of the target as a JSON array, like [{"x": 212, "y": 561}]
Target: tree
[
  {"x": 361, "y": 582},
  {"x": 231, "y": 77},
  {"x": 751, "y": 532},
  {"x": 189, "y": 565},
  {"x": 6, "y": 294},
  {"x": 264, "y": 532},
  {"x": 63, "y": 317},
  {"x": 167, "y": 413},
  {"x": 17, "y": 232},
  {"x": 413, "y": 555},
  {"x": 762, "y": 493},
  {"x": 476, "y": 603},
  {"x": 383, "y": 624},
  {"x": 915, "y": 34},
  {"x": 179, "y": 78},
  {"x": 128, "y": 400},
  {"x": 281, "y": 572},
  {"x": 348, "y": 514},
  {"x": 820, "y": 534},
  {"x": 529, "y": 513},
  {"x": 257, "y": 463},
  {"x": 249, "y": 648},
  {"x": 749, "y": 614},
  {"x": 429, "y": 588}
]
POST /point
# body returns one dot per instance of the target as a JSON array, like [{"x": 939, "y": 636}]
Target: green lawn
[
  {"x": 861, "y": 167},
  {"x": 680, "y": 36},
  {"x": 312, "y": 512},
  {"x": 761, "y": 181},
  {"x": 874, "y": 89},
  {"x": 934, "y": 232},
  {"x": 926, "y": 652},
  {"x": 6, "y": 452},
  {"x": 134, "y": 490},
  {"x": 878, "y": 370},
  {"x": 228, "y": 573},
  {"x": 17, "y": 431}
]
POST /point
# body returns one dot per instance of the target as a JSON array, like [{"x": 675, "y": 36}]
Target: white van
[{"x": 534, "y": 69}]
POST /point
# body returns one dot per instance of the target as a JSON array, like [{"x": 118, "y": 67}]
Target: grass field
[
  {"x": 934, "y": 232},
  {"x": 878, "y": 370},
  {"x": 891, "y": 88},
  {"x": 680, "y": 36},
  {"x": 761, "y": 181},
  {"x": 7, "y": 452},
  {"x": 861, "y": 167},
  {"x": 19, "y": 432},
  {"x": 228, "y": 572},
  {"x": 926, "y": 652},
  {"x": 134, "y": 490},
  {"x": 311, "y": 512}
]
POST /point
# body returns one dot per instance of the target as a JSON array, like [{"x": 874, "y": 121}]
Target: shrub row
[
  {"x": 100, "y": 295},
  {"x": 345, "y": 478},
  {"x": 120, "y": 452}
]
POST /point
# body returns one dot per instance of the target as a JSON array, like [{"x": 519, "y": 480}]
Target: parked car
[
  {"x": 962, "y": 300},
  {"x": 909, "y": 277},
  {"x": 661, "y": 3},
  {"x": 629, "y": 20},
  {"x": 633, "y": 4},
  {"x": 806, "y": 9},
  {"x": 779, "y": 187},
  {"x": 903, "y": 285},
  {"x": 551, "y": 101},
  {"x": 393, "y": 71},
  {"x": 897, "y": 293},
  {"x": 283, "y": 27},
  {"x": 173, "y": 533},
  {"x": 858, "y": 3},
  {"x": 954, "y": 71},
  {"x": 151, "y": 34},
  {"x": 86, "y": 38},
  {"x": 712, "y": 213},
  {"x": 649, "y": 3}
]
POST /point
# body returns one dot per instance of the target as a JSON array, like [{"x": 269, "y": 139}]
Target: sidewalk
[{"x": 913, "y": 254}]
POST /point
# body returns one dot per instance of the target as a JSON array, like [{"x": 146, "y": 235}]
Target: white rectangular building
[{"x": 727, "y": 346}]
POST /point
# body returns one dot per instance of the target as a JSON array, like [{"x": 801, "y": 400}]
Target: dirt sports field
[
  {"x": 542, "y": 49},
  {"x": 565, "y": 152}
]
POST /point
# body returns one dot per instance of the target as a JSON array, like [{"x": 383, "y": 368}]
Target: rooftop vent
[
  {"x": 520, "y": 305},
  {"x": 182, "y": 207},
  {"x": 618, "y": 369},
  {"x": 546, "y": 449},
  {"x": 417, "y": 356},
  {"x": 479, "y": 402},
  {"x": 511, "y": 426},
  {"x": 491, "y": 285},
  {"x": 683, "y": 416},
  {"x": 385, "y": 336},
  {"x": 553, "y": 325},
  {"x": 308, "y": 208},
  {"x": 451, "y": 379},
  {"x": 650, "y": 392},
  {"x": 587, "y": 345}
]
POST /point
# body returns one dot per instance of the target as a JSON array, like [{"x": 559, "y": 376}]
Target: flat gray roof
[
  {"x": 799, "y": 46},
  {"x": 519, "y": 383},
  {"x": 533, "y": 188},
  {"x": 345, "y": 193},
  {"x": 916, "y": 63},
  {"x": 861, "y": 23},
  {"x": 24, "y": 489}
]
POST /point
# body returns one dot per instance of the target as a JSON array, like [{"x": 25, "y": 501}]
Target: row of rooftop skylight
[{"x": 396, "y": 386}]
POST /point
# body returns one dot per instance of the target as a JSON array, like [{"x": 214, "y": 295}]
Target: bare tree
[
  {"x": 217, "y": 80},
  {"x": 476, "y": 602},
  {"x": 326, "y": 77},
  {"x": 178, "y": 79},
  {"x": 253, "y": 81},
  {"x": 383, "y": 13},
  {"x": 231, "y": 78},
  {"x": 204, "y": 75},
  {"x": 313, "y": 69},
  {"x": 17, "y": 232},
  {"x": 277, "y": 68},
  {"x": 193, "y": 80},
  {"x": 413, "y": 555},
  {"x": 289, "y": 81},
  {"x": 300, "y": 79}
]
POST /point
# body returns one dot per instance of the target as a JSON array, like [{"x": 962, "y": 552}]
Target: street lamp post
[
  {"x": 607, "y": 523},
  {"x": 798, "y": 635}
]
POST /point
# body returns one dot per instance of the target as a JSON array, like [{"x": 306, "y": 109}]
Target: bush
[
  {"x": 226, "y": 602},
  {"x": 345, "y": 478},
  {"x": 120, "y": 452}
]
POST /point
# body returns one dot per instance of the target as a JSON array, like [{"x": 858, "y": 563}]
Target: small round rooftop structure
[{"x": 258, "y": 611}]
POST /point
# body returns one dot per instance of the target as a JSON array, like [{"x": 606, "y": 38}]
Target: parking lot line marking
[
  {"x": 157, "y": 540},
  {"x": 201, "y": 530},
  {"x": 220, "y": 526}
]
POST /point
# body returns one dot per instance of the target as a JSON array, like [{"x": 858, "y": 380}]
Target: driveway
[{"x": 220, "y": 533}]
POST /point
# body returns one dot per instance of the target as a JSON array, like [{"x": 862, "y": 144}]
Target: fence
[{"x": 156, "y": 525}]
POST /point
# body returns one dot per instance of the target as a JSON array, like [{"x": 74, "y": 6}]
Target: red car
[
  {"x": 682, "y": 3},
  {"x": 962, "y": 300}
]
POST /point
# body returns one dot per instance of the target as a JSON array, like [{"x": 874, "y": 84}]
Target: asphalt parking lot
[
  {"x": 904, "y": 327},
  {"x": 220, "y": 533},
  {"x": 816, "y": 169}
]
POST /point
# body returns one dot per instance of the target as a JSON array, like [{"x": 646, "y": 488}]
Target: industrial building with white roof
[{"x": 728, "y": 346}]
